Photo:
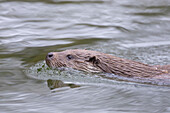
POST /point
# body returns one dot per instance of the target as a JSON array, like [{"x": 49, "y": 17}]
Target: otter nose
[{"x": 50, "y": 55}]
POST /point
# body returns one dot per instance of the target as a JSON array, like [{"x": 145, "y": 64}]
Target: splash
[{"x": 41, "y": 71}]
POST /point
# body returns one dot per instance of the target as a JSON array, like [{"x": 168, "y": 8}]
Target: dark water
[{"x": 132, "y": 29}]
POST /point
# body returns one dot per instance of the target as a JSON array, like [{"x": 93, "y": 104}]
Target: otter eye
[{"x": 69, "y": 57}]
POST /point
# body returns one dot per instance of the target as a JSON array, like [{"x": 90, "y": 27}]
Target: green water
[{"x": 131, "y": 29}]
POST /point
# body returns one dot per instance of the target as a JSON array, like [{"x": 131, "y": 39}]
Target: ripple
[
  {"x": 58, "y": 1},
  {"x": 39, "y": 43},
  {"x": 146, "y": 44},
  {"x": 104, "y": 26},
  {"x": 149, "y": 14}
]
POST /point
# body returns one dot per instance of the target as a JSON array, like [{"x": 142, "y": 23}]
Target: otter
[{"x": 96, "y": 62}]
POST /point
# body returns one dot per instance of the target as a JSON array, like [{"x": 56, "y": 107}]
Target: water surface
[{"x": 132, "y": 29}]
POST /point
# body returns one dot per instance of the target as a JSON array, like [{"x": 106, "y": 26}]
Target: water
[{"x": 29, "y": 29}]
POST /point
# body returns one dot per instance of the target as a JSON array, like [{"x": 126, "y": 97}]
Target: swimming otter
[{"x": 93, "y": 61}]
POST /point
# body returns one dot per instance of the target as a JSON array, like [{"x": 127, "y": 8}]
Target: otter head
[{"x": 84, "y": 60}]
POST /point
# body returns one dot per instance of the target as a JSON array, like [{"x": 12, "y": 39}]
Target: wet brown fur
[{"x": 93, "y": 61}]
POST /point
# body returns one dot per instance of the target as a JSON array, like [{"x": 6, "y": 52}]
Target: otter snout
[{"x": 49, "y": 58}]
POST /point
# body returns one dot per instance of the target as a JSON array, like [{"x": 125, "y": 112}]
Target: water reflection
[{"x": 52, "y": 84}]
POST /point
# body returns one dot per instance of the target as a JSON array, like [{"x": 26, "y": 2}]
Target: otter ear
[{"x": 94, "y": 60}]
